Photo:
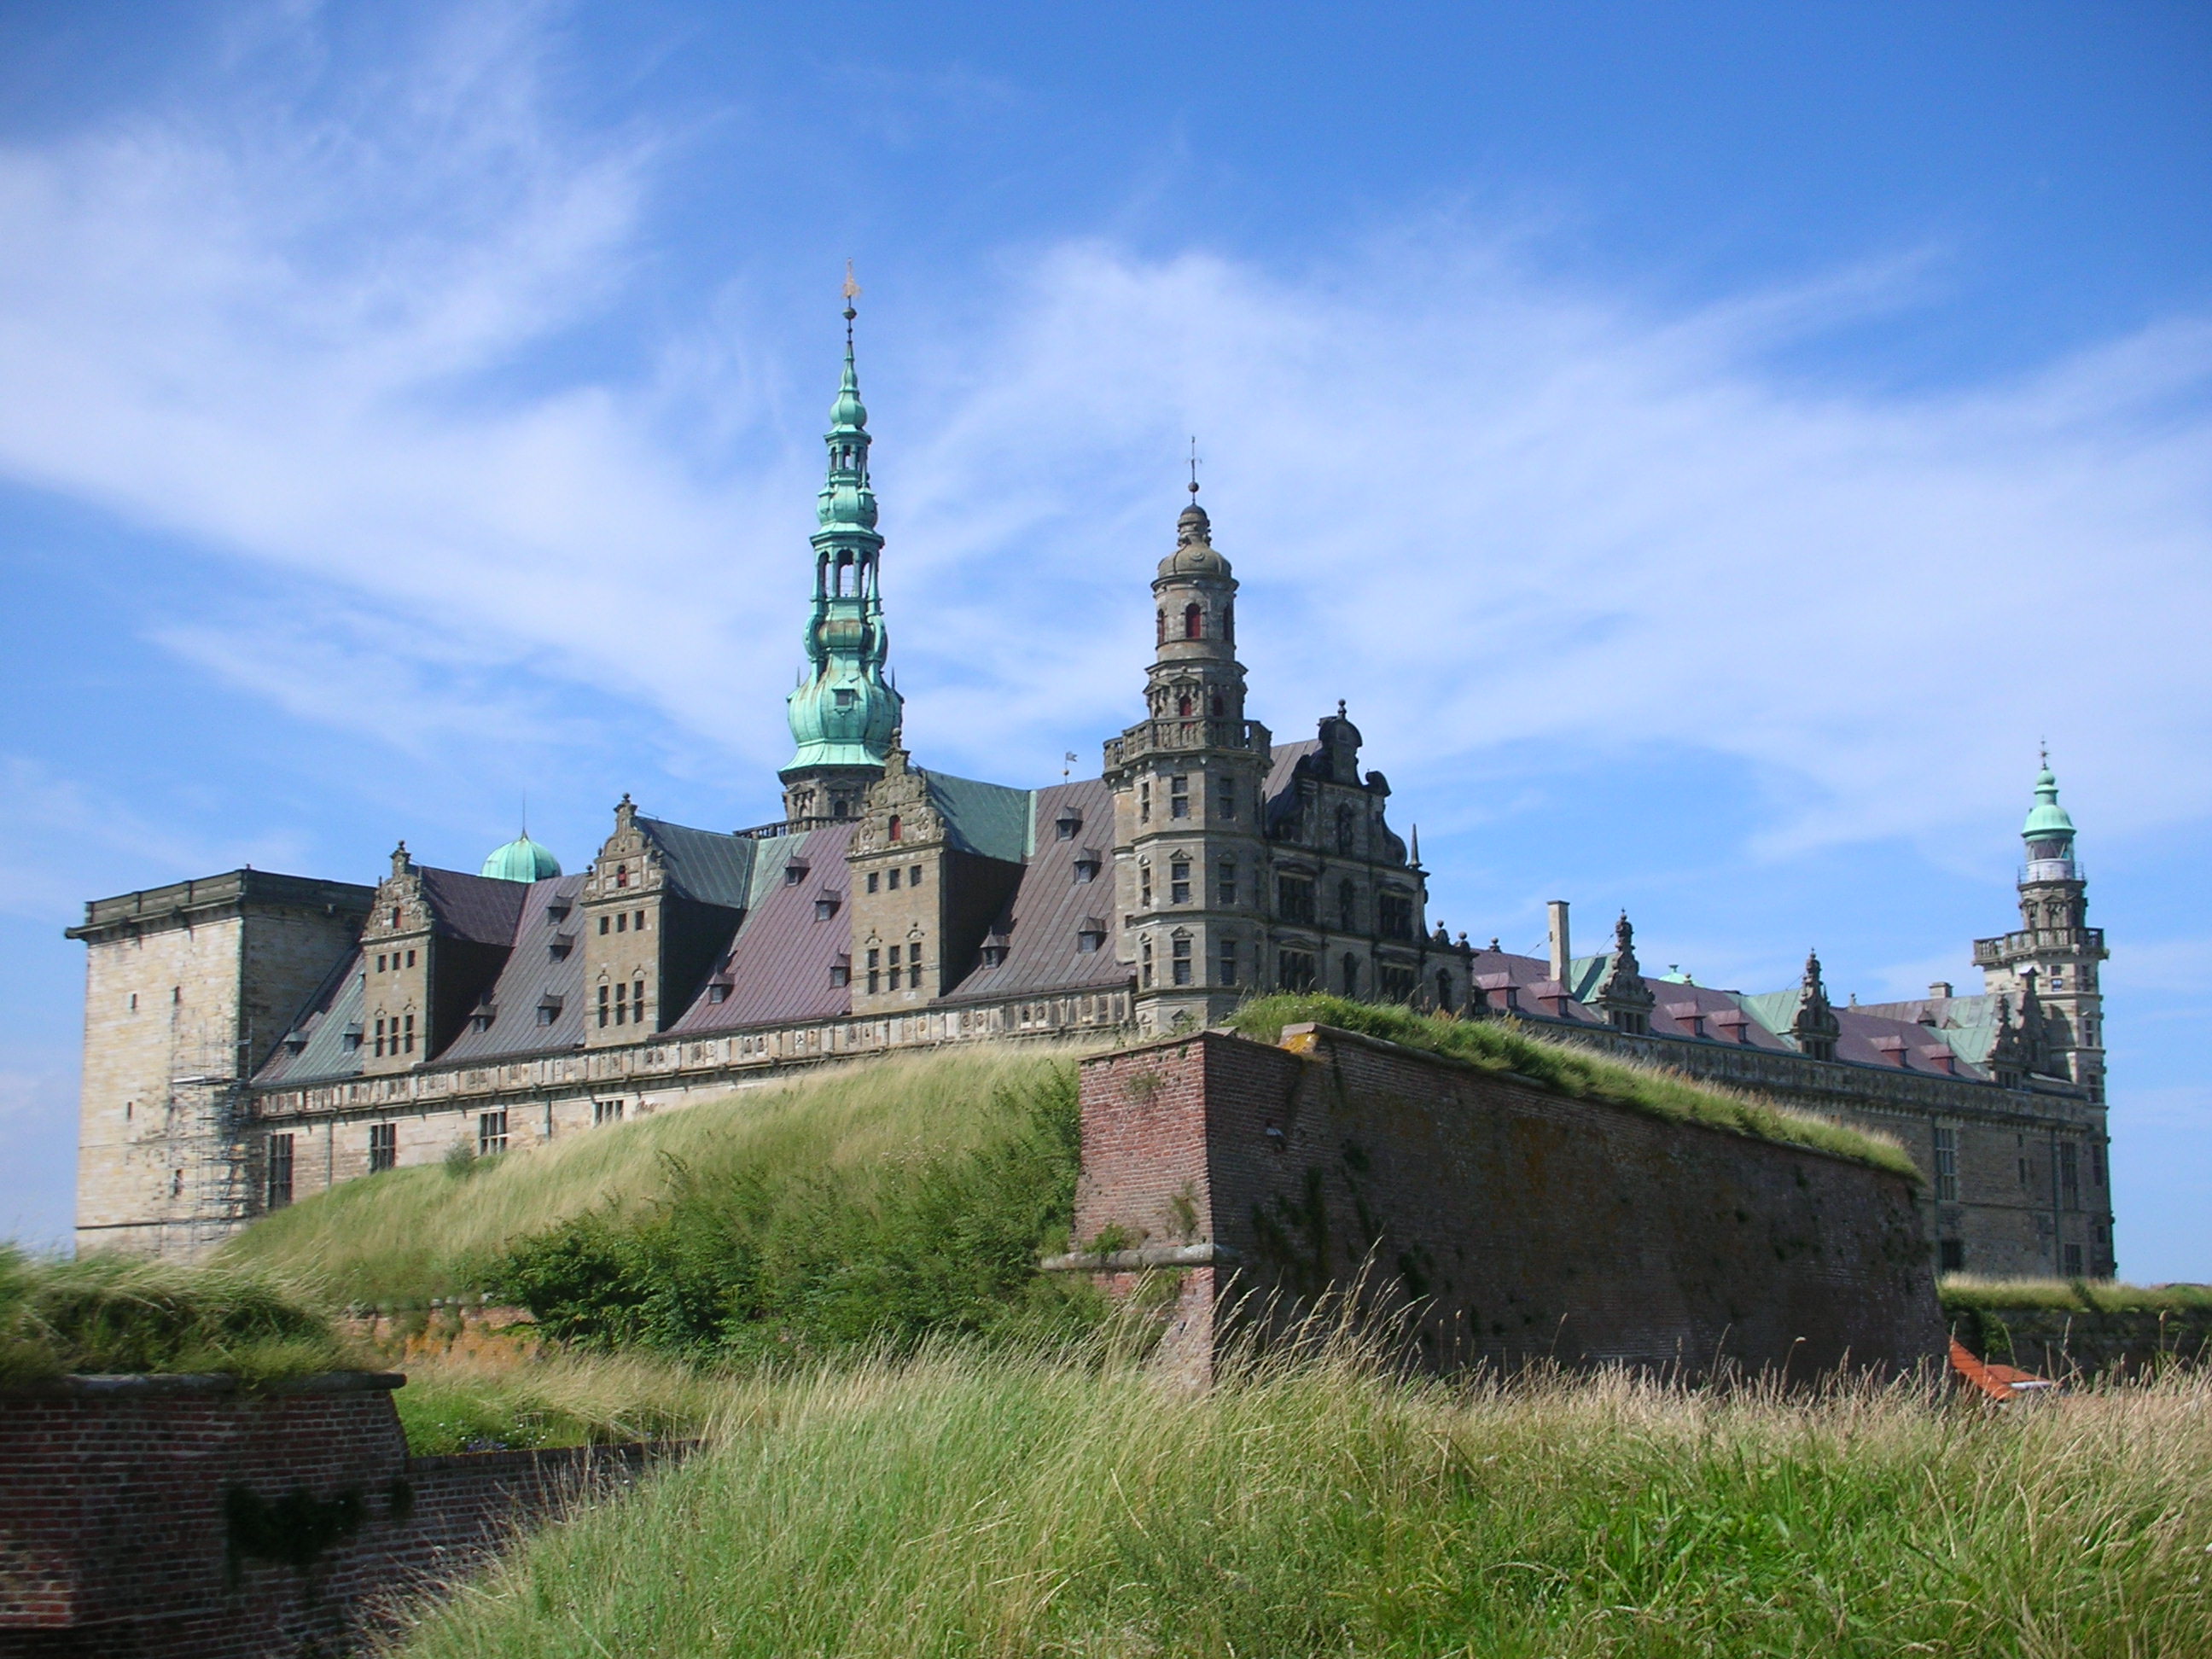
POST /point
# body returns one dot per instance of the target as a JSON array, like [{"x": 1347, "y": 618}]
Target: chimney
[
  {"x": 1939, "y": 991},
  {"x": 1561, "y": 955}
]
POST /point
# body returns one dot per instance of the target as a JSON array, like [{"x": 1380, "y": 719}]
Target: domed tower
[
  {"x": 521, "y": 859},
  {"x": 1189, "y": 855},
  {"x": 2052, "y": 959},
  {"x": 844, "y": 711}
]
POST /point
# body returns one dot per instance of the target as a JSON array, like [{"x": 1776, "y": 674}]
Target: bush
[
  {"x": 108, "y": 1314},
  {"x": 739, "y": 1257}
]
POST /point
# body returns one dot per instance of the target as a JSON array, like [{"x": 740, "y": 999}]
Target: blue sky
[{"x": 1709, "y": 446}]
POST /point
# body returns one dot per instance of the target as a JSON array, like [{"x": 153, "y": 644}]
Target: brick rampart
[
  {"x": 1501, "y": 1222},
  {"x": 180, "y": 1518}
]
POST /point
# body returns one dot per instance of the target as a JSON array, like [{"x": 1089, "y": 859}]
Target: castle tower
[
  {"x": 1189, "y": 853},
  {"x": 2051, "y": 962},
  {"x": 844, "y": 711}
]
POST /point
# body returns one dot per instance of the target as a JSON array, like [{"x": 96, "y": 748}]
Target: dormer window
[
  {"x": 795, "y": 873},
  {"x": 481, "y": 1016},
  {"x": 718, "y": 991},
  {"x": 557, "y": 913},
  {"x": 825, "y": 905},
  {"x": 559, "y": 946},
  {"x": 1090, "y": 936},
  {"x": 549, "y": 1008},
  {"x": 294, "y": 1040},
  {"x": 994, "y": 951},
  {"x": 1088, "y": 863},
  {"x": 1065, "y": 826},
  {"x": 841, "y": 971},
  {"x": 349, "y": 1039}
]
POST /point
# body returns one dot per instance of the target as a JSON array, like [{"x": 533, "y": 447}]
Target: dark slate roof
[
  {"x": 777, "y": 965},
  {"x": 532, "y": 973},
  {"x": 704, "y": 864},
  {"x": 1040, "y": 924},
  {"x": 337, "y": 1004},
  {"x": 480, "y": 909},
  {"x": 1866, "y": 1037},
  {"x": 988, "y": 819},
  {"x": 1277, "y": 796}
]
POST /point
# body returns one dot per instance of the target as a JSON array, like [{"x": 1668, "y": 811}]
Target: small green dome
[
  {"x": 522, "y": 859},
  {"x": 2047, "y": 819}
]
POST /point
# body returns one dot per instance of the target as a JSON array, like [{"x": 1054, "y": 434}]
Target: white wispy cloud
[{"x": 1489, "y": 505}]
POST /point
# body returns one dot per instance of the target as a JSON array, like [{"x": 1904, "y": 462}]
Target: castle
[{"x": 250, "y": 1038}]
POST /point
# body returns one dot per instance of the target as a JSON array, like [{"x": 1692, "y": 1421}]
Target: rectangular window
[
  {"x": 2069, "y": 1174},
  {"x": 1226, "y": 797},
  {"x": 603, "y": 1000},
  {"x": 1178, "y": 798},
  {"x": 1947, "y": 1162},
  {"x": 1295, "y": 969},
  {"x": 914, "y": 877},
  {"x": 491, "y": 1133},
  {"x": 548, "y": 1012},
  {"x": 1145, "y": 802},
  {"x": 894, "y": 881},
  {"x": 1227, "y": 971},
  {"x": 2072, "y": 1262},
  {"x": 1144, "y": 887},
  {"x": 1179, "y": 954},
  {"x": 1393, "y": 915},
  {"x": 2097, "y": 1162},
  {"x": 841, "y": 971},
  {"x": 410, "y": 958},
  {"x": 1295, "y": 898},
  {"x": 603, "y": 924},
  {"x": 637, "y": 1003},
  {"x": 1179, "y": 882},
  {"x": 408, "y": 1041},
  {"x": 1224, "y": 886},
  {"x": 379, "y": 1037},
  {"x": 1951, "y": 1255},
  {"x": 383, "y": 1147},
  {"x": 606, "y": 1111},
  {"x": 280, "y": 1171},
  {"x": 874, "y": 974},
  {"x": 622, "y": 921},
  {"x": 639, "y": 922},
  {"x": 875, "y": 881},
  {"x": 379, "y": 961}
]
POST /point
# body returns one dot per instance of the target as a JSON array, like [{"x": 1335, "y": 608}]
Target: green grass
[
  {"x": 108, "y": 1314},
  {"x": 555, "y": 1398},
  {"x": 1506, "y": 1045},
  {"x": 1960, "y": 1292},
  {"x": 1001, "y": 1504},
  {"x": 404, "y": 1236}
]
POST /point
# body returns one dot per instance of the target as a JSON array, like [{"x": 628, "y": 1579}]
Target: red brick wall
[
  {"x": 113, "y": 1534},
  {"x": 1504, "y": 1222}
]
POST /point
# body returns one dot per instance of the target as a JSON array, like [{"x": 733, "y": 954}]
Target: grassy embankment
[
  {"x": 110, "y": 1313},
  {"x": 958, "y": 1504}
]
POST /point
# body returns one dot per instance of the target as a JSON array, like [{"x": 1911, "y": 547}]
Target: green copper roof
[
  {"x": 845, "y": 710},
  {"x": 522, "y": 859},
  {"x": 2047, "y": 819}
]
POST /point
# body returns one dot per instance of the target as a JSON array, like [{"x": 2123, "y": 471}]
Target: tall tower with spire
[
  {"x": 844, "y": 711},
  {"x": 2052, "y": 960},
  {"x": 1189, "y": 851}
]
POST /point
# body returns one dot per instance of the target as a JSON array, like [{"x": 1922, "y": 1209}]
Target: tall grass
[
  {"x": 1508, "y": 1045},
  {"x": 969, "y": 1503},
  {"x": 1961, "y": 1291},
  {"x": 555, "y": 1398},
  {"x": 109, "y": 1314},
  {"x": 435, "y": 1230}
]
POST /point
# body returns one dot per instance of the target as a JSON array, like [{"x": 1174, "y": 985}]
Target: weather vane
[
  {"x": 1193, "y": 467},
  {"x": 852, "y": 293}
]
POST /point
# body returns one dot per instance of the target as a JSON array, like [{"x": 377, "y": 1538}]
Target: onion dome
[
  {"x": 2047, "y": 821},
  {"x": 522, "y": 859},
  {"x": 1193, "y": 555}
]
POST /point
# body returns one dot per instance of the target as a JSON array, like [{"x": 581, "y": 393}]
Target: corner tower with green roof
[
  {"x": 2052, "y": 959},
  {"x": 844, "y": 712}
]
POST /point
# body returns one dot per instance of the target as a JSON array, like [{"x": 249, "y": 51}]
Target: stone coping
[
  {"x": 125, "y": 1385},
  {"x": 1203, "y": 1255}
]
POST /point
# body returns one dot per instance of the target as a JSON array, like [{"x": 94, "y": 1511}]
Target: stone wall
[
  {"x": 178, "y": 1516},
  {"x": 1497, "y": 1221},
  {"x": 2071, "y": 1344}
]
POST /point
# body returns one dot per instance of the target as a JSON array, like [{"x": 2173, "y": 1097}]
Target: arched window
[
  {"x": 1183, "y": 706},
  {"x": 1162, "y": 617},
  {"x": 1229, "y": 623},
  {"x": 1351, "y": 975},
  {"x": 1217, "y": 705},
  {"x": 1193, "y": 623},
  {"x": 1344, "y": 829},
  {"x": 894, "y": 826},
  {"x": 1444, "y": 992},
  {"x": 1347, "y": 902}
]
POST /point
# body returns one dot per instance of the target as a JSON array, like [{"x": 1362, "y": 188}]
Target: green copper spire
[
  {"x": 2049, "y": 832},
  {"x": 844, "y": 711}
]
